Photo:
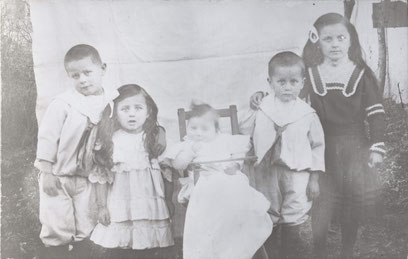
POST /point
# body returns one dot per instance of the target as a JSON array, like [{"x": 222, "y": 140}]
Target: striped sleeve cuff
[
  {"x": 374, "y": 109},
  {"x": 378, "y": 147}
]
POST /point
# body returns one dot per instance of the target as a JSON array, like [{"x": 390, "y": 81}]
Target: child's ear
[
  {"x": 268, "y": 79},
  {"x": 103, "y": 67}
]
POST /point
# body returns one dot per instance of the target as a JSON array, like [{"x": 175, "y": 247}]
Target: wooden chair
[{"x": 184, "y": 116}]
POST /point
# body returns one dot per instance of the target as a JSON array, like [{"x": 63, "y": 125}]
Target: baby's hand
[
  {"x": 103, "y": 216},
  {"x": 51, "y": 184},
  {"x": 375, "y": 159},
  {"x": 196, "y": 147},
  {"x": 256, "y": 100},
  {"x": 232, "y": 169}
]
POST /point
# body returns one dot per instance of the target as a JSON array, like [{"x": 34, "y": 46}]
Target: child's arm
[
  {"x": 313, "y": 190},
  {"x": 184, "y": 157},
  {"x": 316, "y": 139},
  {"x": 50, "y": 183},
  {"x": 168, "y": 194},
  {"x": 247, "y": 120},
  {"x": 375, "y": 115},
  {"x": 101, "y": 201},
  {"x": 49, "y": 134},
  {"x": 256, "y": 99}
]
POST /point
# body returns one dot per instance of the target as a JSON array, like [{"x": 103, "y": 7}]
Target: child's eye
[
  {"x": 87, "y": 73},
  {"x": 294, "y": 81},
  {"x": 327, "y": 39},
  {"x": 281, "y": 82},
  {"x": 75, "y": 76},
  {"x": 341, "y": 37},
  {"x": 125, "y": 108}
]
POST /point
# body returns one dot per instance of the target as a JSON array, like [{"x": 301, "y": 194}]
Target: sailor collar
[
  {"x": 320, "y": 87},
  {"x": 299, "y": 110}
]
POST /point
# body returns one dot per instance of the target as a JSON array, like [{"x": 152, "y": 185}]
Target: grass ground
[{"x": 386, "y": 237}]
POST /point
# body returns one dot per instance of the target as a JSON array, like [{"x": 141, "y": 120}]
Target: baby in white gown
[{"x": 225, "y": 218}]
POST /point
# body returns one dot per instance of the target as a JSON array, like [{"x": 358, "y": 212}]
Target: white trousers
[
  {"x": 69, "y": 216},
  {"x": 286, "y": 190}
]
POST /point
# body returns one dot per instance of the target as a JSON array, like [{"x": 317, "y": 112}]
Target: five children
[{"x": 226, "y": 218}]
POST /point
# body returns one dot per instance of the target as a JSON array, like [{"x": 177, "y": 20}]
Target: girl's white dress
[
  {"x": 136, "y": 203},
  {"x": 225, "y": 218}
]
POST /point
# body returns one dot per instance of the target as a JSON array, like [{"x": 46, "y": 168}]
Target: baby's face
[
  {"x": 86, "y": 76},
  {"x": 286, "y": 82},
  {"x": 201, "y": 128}
]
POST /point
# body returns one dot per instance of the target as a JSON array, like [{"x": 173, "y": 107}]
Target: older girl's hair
[
  {"x": 313, "y": 56},
  {"x": 109, "y": 124},
  {"x": 201, "y": 109}
]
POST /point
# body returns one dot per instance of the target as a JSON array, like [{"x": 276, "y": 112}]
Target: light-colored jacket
[
  {"x": 302, "y": 140},
  {"x": 62, "y": 127}
]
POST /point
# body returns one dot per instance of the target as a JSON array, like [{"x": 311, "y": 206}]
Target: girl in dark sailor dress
[{"x": 344, "y": 92}]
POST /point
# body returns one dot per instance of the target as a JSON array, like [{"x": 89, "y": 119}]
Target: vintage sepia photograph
[{"x": 204, "y": 129}]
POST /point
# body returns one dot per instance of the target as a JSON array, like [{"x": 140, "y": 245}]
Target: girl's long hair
[
  {"x": 313, "y": 56},
  {"x": 109, "y": 124}
]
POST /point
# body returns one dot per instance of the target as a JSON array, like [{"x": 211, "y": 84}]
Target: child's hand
[
  {"x": 196, "y": 147},
  {"x": 375, "y": 159},
  {"x": 51, "y": 184},
  {"x": 232, "y": 169},
  {"x": 313, "y": 189},
  {"x": 103, "y": 215},
  {"x": 256, "y": 100},
  {"x": 161, "y": 143}
]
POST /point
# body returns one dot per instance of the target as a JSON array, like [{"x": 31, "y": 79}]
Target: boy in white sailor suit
[{"x": 289, "y": 143}]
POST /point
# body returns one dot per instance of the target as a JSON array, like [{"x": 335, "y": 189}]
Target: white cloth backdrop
[{"x": 215, "y": 51}]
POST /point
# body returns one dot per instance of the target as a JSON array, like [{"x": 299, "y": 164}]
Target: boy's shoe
[
  {"x": 82, "y": 249},
  {"x": 55, "y": 252}
]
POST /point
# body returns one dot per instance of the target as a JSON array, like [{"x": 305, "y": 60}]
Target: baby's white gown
[{"x": 226, "y": 218}]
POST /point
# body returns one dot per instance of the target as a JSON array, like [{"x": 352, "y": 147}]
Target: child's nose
[
  {"x": 82, "y": 78},
  {"x": 335, "y": 43},
  {"x": 132, "y": 112}
]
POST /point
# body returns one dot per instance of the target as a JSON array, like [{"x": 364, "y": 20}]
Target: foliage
[{"x": 395, "y": 168}]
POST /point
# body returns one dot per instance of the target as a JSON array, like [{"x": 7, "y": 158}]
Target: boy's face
[
  {"x": 132, "y": 113},
  {"x": 201, "y": 128},
  {"x": 86, "y": 75},
  {"x": 286, "y": 82}
]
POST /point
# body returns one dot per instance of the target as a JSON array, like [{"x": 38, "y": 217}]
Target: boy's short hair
[
  {"x": 285, "y": 59},
  {"x": 81, "y": 51}
]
